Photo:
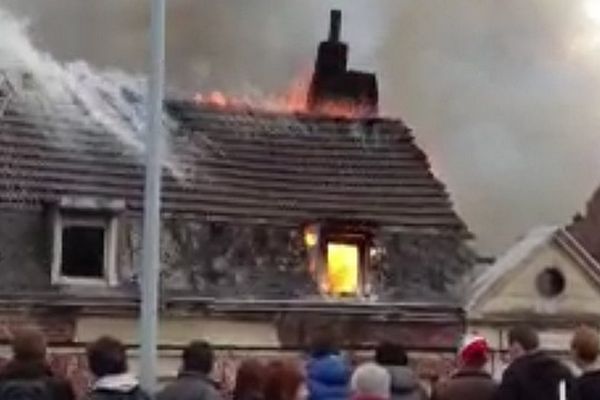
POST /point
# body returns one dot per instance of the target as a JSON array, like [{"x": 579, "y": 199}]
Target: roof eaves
[
  {"x": 572, "y": 246},
  {"x": 512, "y": 258}
]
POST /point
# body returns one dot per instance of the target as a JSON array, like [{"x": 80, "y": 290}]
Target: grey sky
[{"x": 504, "y": 95}]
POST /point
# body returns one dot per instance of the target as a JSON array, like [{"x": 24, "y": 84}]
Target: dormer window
[
  {"x": 338, "y": 259},
  {"x": 85, "y": 242}
]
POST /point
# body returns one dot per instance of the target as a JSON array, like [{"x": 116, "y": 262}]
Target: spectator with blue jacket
[{"x": 328, "y": 372}]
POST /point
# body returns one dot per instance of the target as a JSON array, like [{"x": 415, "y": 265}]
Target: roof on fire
[{"x": 233, "y": 165}]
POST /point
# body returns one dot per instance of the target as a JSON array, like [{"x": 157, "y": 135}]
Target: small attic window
[
  {"x": 338, "y": 259},
  {"x": 550, "y": 282},
  {"x": 83, "y": 251},
  {"x": 85, "y": 242}
]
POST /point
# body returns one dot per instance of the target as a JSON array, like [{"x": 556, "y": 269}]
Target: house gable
[
  {"x": 239, "y": 187},
  {"x": 517, "y": 291}
]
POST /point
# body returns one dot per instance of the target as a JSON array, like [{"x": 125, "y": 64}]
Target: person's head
[
  {"x": 371, "y": 380},
  {"x": 389, "y": 354},
  {"x": 284, "y": 381},
  {"x": 249, "y": 380},
  {"x": 198, "y": 356},
  {"x": 28, "y": 345},
  {"x": 107, "y": 356},
  {"x": 585, "y": 346},
  {"x": 474, "y": 352},
  {"x": 323, "y": 342},
  {"x": 522, "y": 340}
]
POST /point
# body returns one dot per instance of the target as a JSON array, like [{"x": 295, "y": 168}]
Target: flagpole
[{"x": 151, "y": 237}]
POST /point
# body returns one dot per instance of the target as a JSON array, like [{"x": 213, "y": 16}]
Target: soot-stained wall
[
  {"x": 228, "y": 260},
  {"x": 262, "y": 261},
  {"x": 25, "y": 251}
]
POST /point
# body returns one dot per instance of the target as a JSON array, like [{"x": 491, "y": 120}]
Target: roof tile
[{"x": 242, "y": 165}]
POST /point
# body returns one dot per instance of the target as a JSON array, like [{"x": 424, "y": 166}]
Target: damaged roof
[{"x": 233, "y": 165}]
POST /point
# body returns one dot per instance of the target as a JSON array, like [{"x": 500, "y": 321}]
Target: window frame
[
  {"x": 341, "y": 233},
  {"x": 109, "y": 223},
  {"x": 551, "y": 272}
]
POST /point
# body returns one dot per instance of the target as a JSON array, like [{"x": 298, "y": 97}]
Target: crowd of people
[{"x": 326, "y": 375}]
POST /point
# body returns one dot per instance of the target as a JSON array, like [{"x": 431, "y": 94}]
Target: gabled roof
[
  {"x": 585, "y": 227},
  {"x": 233, "y": 165},
  {"x": 526, "y": 248}
]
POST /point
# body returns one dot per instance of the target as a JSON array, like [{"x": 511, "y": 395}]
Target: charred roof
[{"x": 235, "y": 165}]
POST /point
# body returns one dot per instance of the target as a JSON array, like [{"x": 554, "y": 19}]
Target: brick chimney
[{"x": 332, "y": 82}]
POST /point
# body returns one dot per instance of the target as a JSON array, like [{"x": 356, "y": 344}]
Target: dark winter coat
[
  {"x": 37, "y": 371},
  {"x": 466, "y": 385},
  {"x": 534, "y": 376},
  {"x": 255, "y": 395},
  {"x": 586, "y": 387},
  {"x": 190, "y": 386},
  {"x": 134, "y": 394},
  {"x": 405, "y": 385},
  {"x": 328, "y": 377}
]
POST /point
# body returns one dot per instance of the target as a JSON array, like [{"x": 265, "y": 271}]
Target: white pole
[
  {"x": 151, "y": 240},
  {"x": 562, "y": 390}
]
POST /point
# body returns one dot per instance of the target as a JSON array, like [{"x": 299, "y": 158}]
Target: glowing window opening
[{"x": 343, "y": 265}]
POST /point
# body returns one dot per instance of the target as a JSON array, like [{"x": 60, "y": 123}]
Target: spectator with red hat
[{"x": 471, "y": 381}]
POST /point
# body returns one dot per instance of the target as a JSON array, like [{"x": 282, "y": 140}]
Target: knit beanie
[
  {"x": 474, "y": 350},
  {"x": 371, "y": 380}
]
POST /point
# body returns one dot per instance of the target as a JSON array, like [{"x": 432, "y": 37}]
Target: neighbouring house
[
  {"x": 273, "y": 224},
  {"x": 585, "y": 227},
  {"x": 547, "y": 279}
]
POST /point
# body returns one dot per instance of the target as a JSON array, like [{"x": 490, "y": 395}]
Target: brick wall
[{"x": 58, "y": 328}]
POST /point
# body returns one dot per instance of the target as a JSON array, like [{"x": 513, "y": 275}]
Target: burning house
[{"x": 272, "y": 224}]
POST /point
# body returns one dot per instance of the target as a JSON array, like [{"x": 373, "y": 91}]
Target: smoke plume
[{"x": 503, "y": 95}]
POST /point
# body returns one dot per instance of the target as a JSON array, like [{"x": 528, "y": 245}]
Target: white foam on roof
[
  {"x": 514, "y": 257},
  {"x": 43, "y": 86}
]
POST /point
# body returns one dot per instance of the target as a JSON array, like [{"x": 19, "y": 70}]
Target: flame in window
[
  {"x": 342, "y": 268},
  {"x": 310, "y": 238}
]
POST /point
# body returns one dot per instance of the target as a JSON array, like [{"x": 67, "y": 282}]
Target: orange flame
[{"x": 293, "y": 100}]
